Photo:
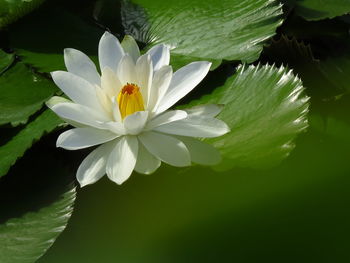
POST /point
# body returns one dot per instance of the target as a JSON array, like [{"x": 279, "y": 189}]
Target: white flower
[{"x": 126, "y": 110}]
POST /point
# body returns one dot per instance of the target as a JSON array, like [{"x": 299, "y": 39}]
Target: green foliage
[
  {"x": 5, "y": 60},
  {"x": 22, "y": 93},
  {"x": 265, "y": 108},
  {"x": 336, "y": 67},
  {"x": 320, "y": 9},
  {"x": 44, "y": 49},
  {"x": 11, "y": 10},
  {"x": 26, "y": 238},
  {"x": 204, "y": 30},
  {"x": 23, "y": 140},
  {"x": 300, "y": 58}
]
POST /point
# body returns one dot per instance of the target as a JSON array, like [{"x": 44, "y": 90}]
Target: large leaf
[
  {"x": 320, "y": 9},
  {"x": 22, "y": 93},
  {"x": 211, "y": 30},
  {"x": 336, "y": 68},
  {"x": 324, "y": 78},
  {"x": 44, "y": 48},
  {"x": 299, "y": 57},
  {"x": 23, "y": 140},
  {"x": 36, "y": 200},
  {"x": 14, "y": 9},
  {"x": 26, "y": 238},
  {"x": 265, "y": 108}
]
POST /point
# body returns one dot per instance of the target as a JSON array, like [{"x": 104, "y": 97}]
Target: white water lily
[{"x": 125, "y": 110}]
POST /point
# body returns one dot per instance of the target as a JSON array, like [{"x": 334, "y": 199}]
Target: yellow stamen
[{"x": 130, "y": 100}]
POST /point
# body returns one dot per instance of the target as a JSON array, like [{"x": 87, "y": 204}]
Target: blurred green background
[{"x": 296, "y": 212}]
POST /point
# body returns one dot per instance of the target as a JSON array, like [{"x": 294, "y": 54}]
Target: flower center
[{"x": 130, "y": 100}]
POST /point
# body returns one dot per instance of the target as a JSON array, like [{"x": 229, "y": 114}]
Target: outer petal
[
  {"x": 93, "y": 166},
  {"x": 81, "y": 65},
  {"x": 77, "y": 89},
  {"x": 110, "y": 51},
  {"x": 166, "y": 148},
  {"x": 80, "y": 138},
  {"x": 80, "y": 114},
  {"x": 195, "y": 126},
  {"x": 135, "y": 122},
  {"x": 54, "y": 100},
  {"x": 160, "y": 84},
  {"x": 126, "y": 72},
  {"x": 144, "y": 73},
  {"x": 201, "y": 153},
  {"x": 207, "y": 110},
  {"x": 166, "y": 117},
  {"x": 122, "y": 159},
  {"x": 130, "y": 46},
  {"x": 160, "y": 55},
  {"x": 146, "y": 162},
  {"x": 183, "y": 81}
]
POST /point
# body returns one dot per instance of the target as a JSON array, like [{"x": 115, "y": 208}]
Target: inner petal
[{"x": 130, "y": 100}]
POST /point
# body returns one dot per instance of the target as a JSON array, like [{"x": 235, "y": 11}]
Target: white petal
[
  {"x": 160, "y": 55},
  {"x": 146, "y": 163},
  {"x": 135, "y": 122},
  {"x": 160, "y": 84},
  {"x": 80, "y": 138},
  {"x": 144, "y": 73},
  {"x": 195, "y": 126},
  {"x": 208, "y": 110},
  {"x": 115, "y": 127},
  {"x": 130, "y": 46},
  {"x": 80, "y": 114},
  {"x": 126, "y": 70},
  {"x": 166, "y": 117},
  {"x": 110, "y": 83},
  {"x": 93, "y": 166},
  {"x": 183, "y": 81},
  {"x": 77, "y": 89},
  {"x": 166, "y": 148},
  {"x": 110, "y": 52},
  {"x": 81, "y": 65},
  {"x": 122, "y": 159},
  {"x": 201, "y": 153}
]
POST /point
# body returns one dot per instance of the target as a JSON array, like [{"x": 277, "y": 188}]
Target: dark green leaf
[
  {"x": 5, "y": 61},
  {"x": 26, "y": 238},
  {"x": 299, "y": 57},
  {"x": 22, "y": 93},
  {"x": 23, "y": 140},
  {"x": 320, "y": 9},
  {"x": 14, "y": 9},
  {"x": 44, "y": 48}
]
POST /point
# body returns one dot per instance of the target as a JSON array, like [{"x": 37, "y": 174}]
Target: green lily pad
[
  {"x": 204, "y": 30},
  {"x": 10, "y": 11},
  {"x": 5, "y": 60},
  {"x": 23, "y": 140},
  {"x": 22, "y": 93},
  {"x": 266, "y": 109},
  {"x": 320, "y": 9}
]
